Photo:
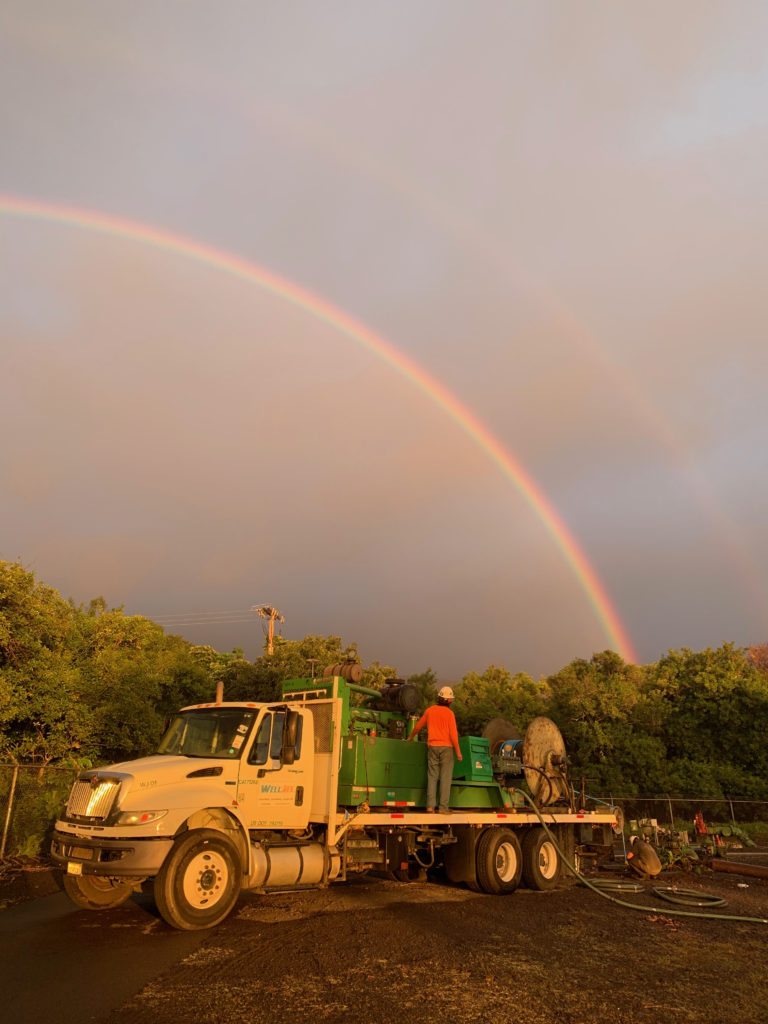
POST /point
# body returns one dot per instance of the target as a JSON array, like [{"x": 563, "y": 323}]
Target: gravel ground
[
  {"x": 372, "y": 950},
  {"x": 379, "y": 951}
]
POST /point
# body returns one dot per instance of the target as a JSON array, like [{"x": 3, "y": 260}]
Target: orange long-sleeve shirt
[{"x": 441, "y": 727}]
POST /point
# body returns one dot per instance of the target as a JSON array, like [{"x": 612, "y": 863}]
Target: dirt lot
[{"x": 378, "y": 951}]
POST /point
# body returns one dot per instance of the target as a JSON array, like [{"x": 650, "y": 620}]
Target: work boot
[{"x": 430, "y": 810}]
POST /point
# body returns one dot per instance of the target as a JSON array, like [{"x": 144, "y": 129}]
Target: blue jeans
[{"x": 439, "y": 766}]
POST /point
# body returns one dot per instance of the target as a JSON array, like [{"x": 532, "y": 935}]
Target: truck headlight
[{"x": 138, "y": 817}]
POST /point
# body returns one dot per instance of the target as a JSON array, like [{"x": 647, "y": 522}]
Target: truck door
[{"x": 274, "y": 787}]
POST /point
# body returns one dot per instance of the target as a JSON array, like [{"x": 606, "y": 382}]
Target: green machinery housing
[{"x": 380, "y": 768}]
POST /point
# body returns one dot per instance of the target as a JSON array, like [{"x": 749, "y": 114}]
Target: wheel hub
[
  {"x": 208, "y": 879},
  {"x": 506, "y": 862},
  {"x": 205, "y": 879},
  {"x": 547, "y": 860}
]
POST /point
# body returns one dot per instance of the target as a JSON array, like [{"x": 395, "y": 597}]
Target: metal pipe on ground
[{"x": 732, "y": 868}]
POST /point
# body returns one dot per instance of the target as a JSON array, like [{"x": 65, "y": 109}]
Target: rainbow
[{"x": 14, "y": 206}]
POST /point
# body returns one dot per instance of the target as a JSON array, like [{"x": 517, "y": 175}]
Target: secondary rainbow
[{"x": 322, "y": 309}]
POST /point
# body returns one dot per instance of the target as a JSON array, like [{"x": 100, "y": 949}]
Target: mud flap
[
  {"x": 460, "y": 857},
  {"x": 565, "y": 836}
]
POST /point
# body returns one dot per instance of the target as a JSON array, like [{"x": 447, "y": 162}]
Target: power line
[
  {"x": 208, "y": 614},
  {"x": 199, "y": 622},
  {"x": 175, "y": 620}
]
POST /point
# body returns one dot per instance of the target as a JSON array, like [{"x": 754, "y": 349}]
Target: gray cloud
[{"x": 560, "y": 216}]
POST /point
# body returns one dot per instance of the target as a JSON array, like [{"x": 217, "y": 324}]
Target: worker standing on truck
[{"x": 442, "y": 740}]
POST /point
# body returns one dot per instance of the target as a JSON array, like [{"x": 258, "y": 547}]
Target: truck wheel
[
  {"x": 499, "y": 861},
  {"x": 199, "y": 881},
  {"x": 96, "y": 892},
  {"x": 541, "y": 861}
]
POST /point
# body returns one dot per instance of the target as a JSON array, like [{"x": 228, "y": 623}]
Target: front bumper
[{"x": 140, "y": 856}]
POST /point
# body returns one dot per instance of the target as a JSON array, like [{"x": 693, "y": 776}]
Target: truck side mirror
[{"x": 290, "y": 737}]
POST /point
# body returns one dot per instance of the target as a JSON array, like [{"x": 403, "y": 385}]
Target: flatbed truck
[{"x": 308, "y": 790}]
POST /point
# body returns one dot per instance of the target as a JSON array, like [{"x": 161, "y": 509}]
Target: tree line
[{"x": 87, "y": 684}]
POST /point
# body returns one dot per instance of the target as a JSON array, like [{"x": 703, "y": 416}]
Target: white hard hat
[{"x": 446, "y": 693}]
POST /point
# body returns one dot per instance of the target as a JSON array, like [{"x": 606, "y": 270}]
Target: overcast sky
[{"x": 558, "y": 210}]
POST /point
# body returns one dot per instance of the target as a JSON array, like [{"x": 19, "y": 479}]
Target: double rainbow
[{"x": 318, "y": 307}]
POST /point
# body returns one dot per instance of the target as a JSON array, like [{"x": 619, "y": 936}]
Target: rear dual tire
[
  {"x": 541, "y": 861},
  {"x": 499, "y": 861}
]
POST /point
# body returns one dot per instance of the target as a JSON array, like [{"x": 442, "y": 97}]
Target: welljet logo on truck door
[
  {"x": 268, "y": 789},
  {"x": 272, "y": 799},
  {"x": 273, "y": 794}
]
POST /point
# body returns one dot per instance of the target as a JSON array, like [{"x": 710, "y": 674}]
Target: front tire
[
  {"x": 199, "y": 881},
  {"x": 541, "y": 861},
  {"x": 96, "y": 892},
  {"x": 499, "y": 861}
]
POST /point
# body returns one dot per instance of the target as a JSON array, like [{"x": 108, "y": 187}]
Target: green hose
[
  {"x": 688, "y": 897},
  {"x": 617, "y": 885},
  {"x": 623, "y": 903}
]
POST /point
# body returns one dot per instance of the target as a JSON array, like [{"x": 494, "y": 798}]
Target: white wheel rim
[
  {"x": 506, "y": 862},
  {"x": 205, "y": 879},
  {"x": 547, "y": 860}
]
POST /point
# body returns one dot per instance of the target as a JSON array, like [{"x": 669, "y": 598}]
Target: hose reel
[
  {"x": 540, "y": 757},
  {"x": 544, "y": 763}
]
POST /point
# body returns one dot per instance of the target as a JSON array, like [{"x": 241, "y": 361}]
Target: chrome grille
[{"x": 92, "y": 801}]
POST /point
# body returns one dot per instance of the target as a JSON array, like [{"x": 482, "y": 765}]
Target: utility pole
[{"x": 271, "y": 615}]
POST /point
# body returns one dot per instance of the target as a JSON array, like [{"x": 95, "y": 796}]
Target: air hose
[{"x": 622, "y": 903}]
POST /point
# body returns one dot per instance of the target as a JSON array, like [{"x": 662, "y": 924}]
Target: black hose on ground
[{"x": 622, "y": 903}]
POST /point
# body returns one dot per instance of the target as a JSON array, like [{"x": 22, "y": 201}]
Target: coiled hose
[
  {"x": 617, "y": 885},
  {"x": 688, "y": 897},
  {"x": 600, "y": 889}
]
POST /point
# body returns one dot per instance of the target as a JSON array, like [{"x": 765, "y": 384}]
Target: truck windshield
[{"x": 208, "y": 732}]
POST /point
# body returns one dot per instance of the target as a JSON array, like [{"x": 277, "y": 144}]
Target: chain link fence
[
  {"x": 31, "y": 797},
  {"x": 670, "y": 809}
]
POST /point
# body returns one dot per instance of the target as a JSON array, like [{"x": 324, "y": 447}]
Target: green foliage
[
  {"x": 42, "y": 716},
  {"x": 86, "y": 685},
  {"x": 38, "y": 797},
  {"x": 756, "y": 830},
  {"x": 291, "y": 659},
  {"x": 376, "y": 674},
  {"x": 595, "y": 704},
  {"x": 714, "y": 720},
  {"x": 498, "y": 694}
]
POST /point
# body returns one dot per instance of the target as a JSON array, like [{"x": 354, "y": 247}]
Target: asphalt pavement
[{"x": 69, "y": 966}]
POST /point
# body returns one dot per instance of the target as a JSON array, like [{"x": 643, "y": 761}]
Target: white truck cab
[{"x": 222, "y": 772}]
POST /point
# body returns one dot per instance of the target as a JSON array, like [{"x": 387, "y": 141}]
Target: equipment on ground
[{"x": 676, "y": 848}]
